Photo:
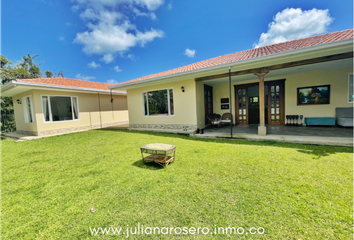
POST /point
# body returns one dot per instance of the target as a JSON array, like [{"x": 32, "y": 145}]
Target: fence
[{"x": 8, "y": 122}]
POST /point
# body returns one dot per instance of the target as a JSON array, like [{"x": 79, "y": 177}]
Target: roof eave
[
  {"x": 13, "y": 83},
  {"x": 8, "y": 85},
  {"x": 232, "y": 64}
]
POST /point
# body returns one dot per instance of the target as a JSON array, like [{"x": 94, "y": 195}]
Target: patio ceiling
[{"x": 282, "y": 73}]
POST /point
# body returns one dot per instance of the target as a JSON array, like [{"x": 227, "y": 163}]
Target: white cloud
[
  {"x": 131, "y": 56},
  {"x": 68, "y": 24},
  {"x": 112, "y": 81},
  {"x": 117, "y": 69},
  {"x": 143, "y": 14},
  {"x": 293, "y": 24},
  {"x": 153, "y": 16},
  {"x": 82, "y": 77},
  {"x": 109, "y": 31},
  {"x": 93, "y": 65},
  {"x": 189, "y": 52},
  {"x": 61, "y": 38},
  {"x": 75, "y": 8},
  {"x": 151, "y": 5},
  {"x": 107, "y": 58},
  {"x": 169, "y": 6}
]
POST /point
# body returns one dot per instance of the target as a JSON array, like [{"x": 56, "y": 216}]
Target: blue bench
[{"x": 320, "y": 121}]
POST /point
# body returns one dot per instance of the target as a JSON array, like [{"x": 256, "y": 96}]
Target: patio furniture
[
  {"x": 344, "y": 117},
  {"x": 213, "y": 120},
  {"x": 160, "y": 153},
  {"x": 320, "y": 121},
  {"x": 226, "y": 118},
  {"x": 301, "y": 117}
]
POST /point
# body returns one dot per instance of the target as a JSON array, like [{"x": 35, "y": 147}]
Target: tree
[
  {"x": 48, "y": 74},
  {"x": 27, "y": 68},
  {"x": 60, "y": 74},
  {"x": 6, "y": 69},
  {"x": 7, "y": 115}
]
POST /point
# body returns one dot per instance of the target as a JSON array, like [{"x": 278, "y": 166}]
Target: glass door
[
  {"x": 242, "y": 105},
  {"x": 276, "y": 103}
]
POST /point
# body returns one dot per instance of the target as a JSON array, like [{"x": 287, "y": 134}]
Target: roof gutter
[
  {"x": 13, "y": 83},
  {"x": 8, "y": 85},
  {"x": 231, "y": 64}
]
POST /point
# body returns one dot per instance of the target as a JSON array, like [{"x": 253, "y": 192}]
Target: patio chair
[
  {"x": 214, "y": 121},
  {"x": 226, "y": 118}
]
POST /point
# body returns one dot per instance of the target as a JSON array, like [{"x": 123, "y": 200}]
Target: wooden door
[
  {"x": 208, "y": 102},
  {"x": 276, "y": 103},
  {"x": 242, "y": 105}
]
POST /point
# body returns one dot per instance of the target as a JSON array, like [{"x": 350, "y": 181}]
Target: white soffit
[{"x": 13, "y": 88}]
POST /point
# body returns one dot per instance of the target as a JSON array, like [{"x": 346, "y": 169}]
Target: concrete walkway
[
  {"x": 332, "y": 136},
  {"x": 22, "y": 137}
]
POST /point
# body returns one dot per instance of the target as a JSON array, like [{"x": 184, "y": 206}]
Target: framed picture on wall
[
  {"x": 224, "y": 106},
  {"x": 314, "y": 95},
  {"x": 224, "y": 100}
]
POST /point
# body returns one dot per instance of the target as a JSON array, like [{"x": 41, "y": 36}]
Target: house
[
  {"x": 261, "y": 87},
  {"x": 47, "y": 106}
]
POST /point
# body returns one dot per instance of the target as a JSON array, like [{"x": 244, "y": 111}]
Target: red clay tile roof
[
  {"x": 68, "y": 82},
  {"x": 256, "y": 52}
]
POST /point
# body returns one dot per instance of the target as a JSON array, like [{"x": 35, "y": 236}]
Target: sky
[{"x": 113, "y": 41}]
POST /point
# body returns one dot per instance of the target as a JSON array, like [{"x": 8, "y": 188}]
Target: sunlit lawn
[{"x": 48, "y": 187}]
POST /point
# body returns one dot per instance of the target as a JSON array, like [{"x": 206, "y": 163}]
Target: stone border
[
  {"x": 180, "y": 127},
  {"x": 70, "y": 130}
]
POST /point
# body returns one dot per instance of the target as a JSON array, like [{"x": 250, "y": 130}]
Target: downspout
[
  {"x": 112, "y": 105},
  {"x": 99, "y": 108},
  {"x": 231, "y": 118}
]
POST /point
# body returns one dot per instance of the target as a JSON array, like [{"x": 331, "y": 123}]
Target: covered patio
[
  {"x": 251, "y": 98},
  {"x": 335, "y": 136}
]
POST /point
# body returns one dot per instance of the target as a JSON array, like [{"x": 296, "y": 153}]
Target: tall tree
[
  {"x": 27, "y": 68},
  {"x": 60, "y": 74},
  {"x": 31, "y": 68},
  {"x": 48, "y": 74},
  {"x": 7, "y": 118}
]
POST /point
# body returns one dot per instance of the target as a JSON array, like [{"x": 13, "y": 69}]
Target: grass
[{"x": 48, "y": 187}]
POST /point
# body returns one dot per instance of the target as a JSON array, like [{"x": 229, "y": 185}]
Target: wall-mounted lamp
[
  {"x": 18, "y": 101},
  {"x": 182, "y": 88}
]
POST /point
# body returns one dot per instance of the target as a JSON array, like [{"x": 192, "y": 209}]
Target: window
[
  {"x": 350, "y": 89},
  {"x": 158, "y": 102},
  {"x": 60, "y": 108},
  {"x": 28, "y": 109}
]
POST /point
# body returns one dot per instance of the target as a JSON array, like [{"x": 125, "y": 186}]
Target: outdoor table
[{"x": 160, "y": 153}]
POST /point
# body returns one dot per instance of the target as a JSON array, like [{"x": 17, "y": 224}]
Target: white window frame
[
  {"x": 50, "y": 108},
  {"x": 350, "y": 74},
  {"x": 168, "y": 103},
  {"x": 25, "y": 110}
]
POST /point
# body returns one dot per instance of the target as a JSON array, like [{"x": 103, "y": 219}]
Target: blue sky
[{"x": 119, "y": 40}]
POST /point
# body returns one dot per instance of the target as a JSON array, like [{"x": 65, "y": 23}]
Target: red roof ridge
[
  {"x": 253, "y": 53},
  {"x": 311, "y": 37},
  {"x": 69, "y": 82},
  {"x": 21, "y": 79}
]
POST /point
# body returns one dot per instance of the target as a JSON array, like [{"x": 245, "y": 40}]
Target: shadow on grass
[
  {"x": 317, "y": 150},
  {"x": 149, "y": 165}
]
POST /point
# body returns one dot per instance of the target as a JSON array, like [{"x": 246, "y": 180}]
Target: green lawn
[{"x": 48, "y": 187}]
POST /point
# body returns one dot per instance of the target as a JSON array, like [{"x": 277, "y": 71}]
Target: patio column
[{"x": 262, "y": 129}]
